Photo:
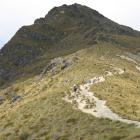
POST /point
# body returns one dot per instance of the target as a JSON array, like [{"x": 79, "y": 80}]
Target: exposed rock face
[{"x": 60, "y": 63}]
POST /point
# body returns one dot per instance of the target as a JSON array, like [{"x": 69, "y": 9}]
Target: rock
[
  {"x": 40, "y": 21},
  {"x": 59, "y": 62},
  {"x": 87, "y": 81},
  {"x": 15, "y": 98},
  {"x": 36, "y": 36}
]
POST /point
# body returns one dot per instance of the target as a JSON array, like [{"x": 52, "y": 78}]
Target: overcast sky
[{"x": 16, "y": 13}]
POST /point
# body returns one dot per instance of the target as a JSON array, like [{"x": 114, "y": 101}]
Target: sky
[{"x": 16, "y": 13}]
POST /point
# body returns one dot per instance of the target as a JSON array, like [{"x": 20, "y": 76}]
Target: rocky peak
[
  {"x": 71, "y": 14},
  {"x": 75, "y": 10},
  {"x": 76, "y": 15}
]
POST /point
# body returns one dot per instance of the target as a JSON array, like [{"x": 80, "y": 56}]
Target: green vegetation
[
  {"x": 33, "y": 83},
  {"x": 41, "y": 113}
]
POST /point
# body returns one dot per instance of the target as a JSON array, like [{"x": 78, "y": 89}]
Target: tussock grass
[
  {"x": 122, "y": 94},
  {"x": 42, "y": 114}
]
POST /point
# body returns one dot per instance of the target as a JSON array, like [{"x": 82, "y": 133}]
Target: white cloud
[{"x": 16, "y": 13}]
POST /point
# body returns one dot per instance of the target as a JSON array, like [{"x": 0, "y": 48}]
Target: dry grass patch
[{"x": 122, "y": 94}]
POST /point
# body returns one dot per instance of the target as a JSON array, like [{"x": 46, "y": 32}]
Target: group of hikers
[{"x": 76, "y": 86}]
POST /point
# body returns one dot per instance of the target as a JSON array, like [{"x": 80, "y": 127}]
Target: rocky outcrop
[{"x": 60, "y": 63}]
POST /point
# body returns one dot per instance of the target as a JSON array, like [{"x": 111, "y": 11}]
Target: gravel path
[
  {"x": 127, "y": 58},
  {"x": 87, "y": 102},
  {"x": 138, "y": 68},
  {"x": 131, "y": 60}
]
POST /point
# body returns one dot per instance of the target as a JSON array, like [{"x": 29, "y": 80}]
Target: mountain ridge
[{"x": 61, "y": 29}]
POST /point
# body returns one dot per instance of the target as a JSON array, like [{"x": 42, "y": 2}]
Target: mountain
[
  {"x": 62, "y": 28},
  {"x": 40, "y": 64}
]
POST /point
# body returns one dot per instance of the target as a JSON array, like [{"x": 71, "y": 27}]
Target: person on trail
[
  {"x": 75, "y": 88},
  {"x": 124, "y": 69},
  {"x": 86, "y": 87},
  {"x": 82, "y": 82}
]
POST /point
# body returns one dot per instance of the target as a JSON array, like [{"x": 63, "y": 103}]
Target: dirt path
[
  {"x": 127, "y": 58},
  {"x": 87, "y": 102},
  {"x": 138, "y": 68},
  {"x": 131, "y": 60}
]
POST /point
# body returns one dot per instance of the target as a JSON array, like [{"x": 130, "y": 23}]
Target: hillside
[
  {"x": 40, "y": 64},
  {"x": 64, "y": 30}
]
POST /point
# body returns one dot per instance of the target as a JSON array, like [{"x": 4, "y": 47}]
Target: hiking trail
[{"x": 87, "y": 102}]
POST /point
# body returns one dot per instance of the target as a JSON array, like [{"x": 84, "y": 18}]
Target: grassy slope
[
  {"x": 122, "y": 91},
  {"x": 42, "y": 114}
]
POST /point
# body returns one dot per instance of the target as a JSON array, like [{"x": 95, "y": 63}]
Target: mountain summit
[
  {"x": 77, "y": 15},
  {"x": 63, "y": 28}
]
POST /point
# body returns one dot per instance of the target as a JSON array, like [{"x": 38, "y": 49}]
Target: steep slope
[
  {"x": 64, "y": 30},
  {"x": 42, "y": 62}
]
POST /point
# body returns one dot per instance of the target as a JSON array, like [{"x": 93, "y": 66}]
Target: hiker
[
  {"x": 75, "y": 88},
  {"x": 83, "y": 82},
  {"x": 124, "y": 69},
  {"x": 86, "y": 87}
]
